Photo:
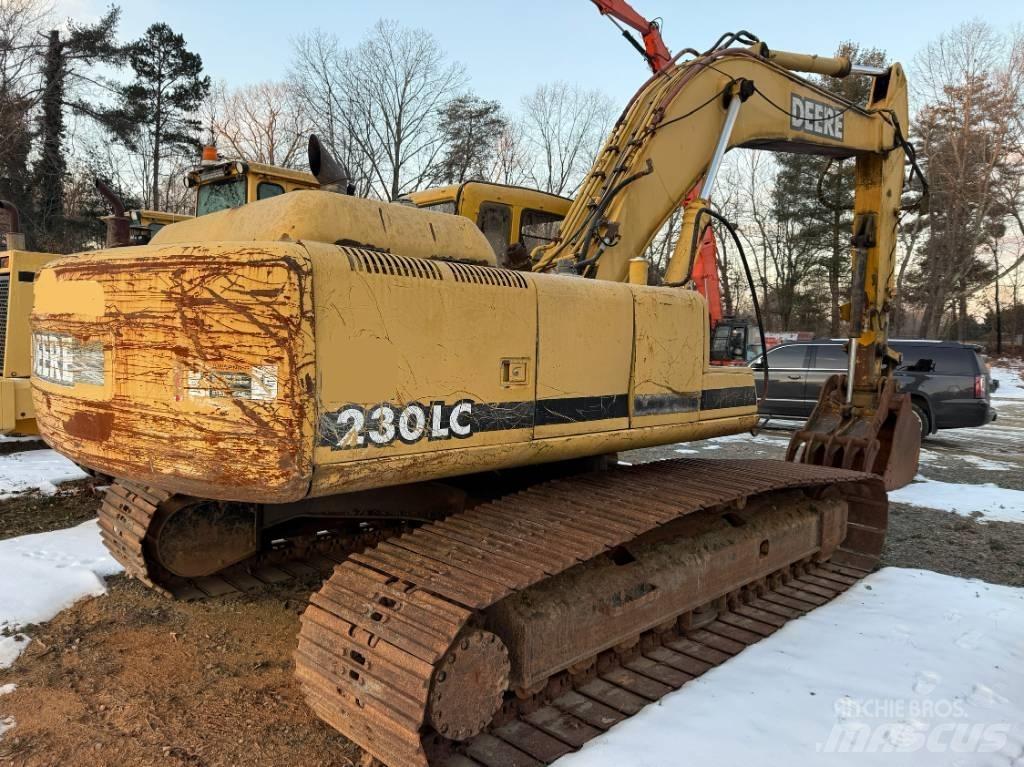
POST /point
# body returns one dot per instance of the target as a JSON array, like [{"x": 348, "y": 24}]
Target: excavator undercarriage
[{"x": 513, "y": 631}]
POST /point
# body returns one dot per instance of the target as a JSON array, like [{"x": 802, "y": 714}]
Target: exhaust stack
[
  {"x": 332, "y": 175},
  {"x": 15, "y": 238},
  {"x": 118, "y": 231}
]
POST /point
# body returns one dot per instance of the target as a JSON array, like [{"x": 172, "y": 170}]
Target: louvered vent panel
[
  {"x": 488, "y": 275},
  {"x": 372, "y": 262},
  {"x": 5, "y": 294}
]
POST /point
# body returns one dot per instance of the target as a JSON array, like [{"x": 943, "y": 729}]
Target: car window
[
  {"x": 946, "y": 360},
  {"x": 831, "y": 357},
  {"x": 787, "y": 357}
]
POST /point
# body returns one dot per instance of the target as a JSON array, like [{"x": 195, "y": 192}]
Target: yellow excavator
[{"x": 317, "y": 379}]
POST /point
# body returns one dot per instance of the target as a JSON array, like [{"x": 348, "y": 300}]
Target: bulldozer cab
[
  {"x": 143, "y": 224},
  {"x": 514, "y": 219},
  {"x": 232, "y": 183}
]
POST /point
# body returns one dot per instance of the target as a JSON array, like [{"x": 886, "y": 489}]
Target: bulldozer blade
[{"x": 885, "y": 441}]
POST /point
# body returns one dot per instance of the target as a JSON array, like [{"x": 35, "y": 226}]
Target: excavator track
[
  {"x": 126, "y": 516},
  {"x": 396, "y": 651}
]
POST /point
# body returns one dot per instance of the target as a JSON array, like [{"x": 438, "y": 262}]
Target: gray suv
[{"x": 948, "y": 382}]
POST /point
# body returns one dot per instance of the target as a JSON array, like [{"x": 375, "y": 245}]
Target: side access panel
[
  {"x": 670, "y": 356},
  {"x": 585, "y": 349},
  {"x": 417, "y": 360}
]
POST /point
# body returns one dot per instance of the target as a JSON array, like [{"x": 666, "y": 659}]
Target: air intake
[
  {"x": 487, "y": 275},
  {"x": 371, "y": 262}
]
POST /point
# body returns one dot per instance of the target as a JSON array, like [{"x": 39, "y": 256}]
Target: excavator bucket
[{"x": 885, "y": 442}]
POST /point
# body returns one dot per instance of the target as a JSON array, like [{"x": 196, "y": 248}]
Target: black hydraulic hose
[
  {"x": 750, "y": 282},
  {"x": 605, "y": 202}
]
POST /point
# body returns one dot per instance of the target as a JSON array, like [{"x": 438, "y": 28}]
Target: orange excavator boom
[{"x": 653, "y": 48}]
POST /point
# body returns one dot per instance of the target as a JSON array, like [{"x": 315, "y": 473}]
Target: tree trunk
[{"x": 51, "y": 167}]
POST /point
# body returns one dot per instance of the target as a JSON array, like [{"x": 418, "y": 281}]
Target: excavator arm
[
  {"x": 675, "y": 132},
  {"x": 654, "y": 48}
]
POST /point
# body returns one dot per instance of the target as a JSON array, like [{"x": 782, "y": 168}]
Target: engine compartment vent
[
  {"x": 371, "y": 262},
  {"x": 487, "y": 275}
]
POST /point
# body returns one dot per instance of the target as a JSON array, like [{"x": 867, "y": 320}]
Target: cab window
[
  {"x": 229, "y": 193},
  {"x": 265, "y": 189},
  {"x": 495, "y": 221},
  {"x": 538, "y": 228},
  {"x": 448, "y": 206}
]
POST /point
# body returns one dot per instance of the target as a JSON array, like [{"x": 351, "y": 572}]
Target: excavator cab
[
  {"x": 222, "y": 184},
  {"x": 514, "y": 219}
]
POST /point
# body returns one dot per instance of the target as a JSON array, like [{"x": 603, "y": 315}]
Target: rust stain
[{"x": 94, "y": 426}]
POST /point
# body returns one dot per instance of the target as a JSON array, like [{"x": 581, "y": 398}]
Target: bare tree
[
  {"x": 378, "y": 103},
  {"x": 564, "y": 127},
  {"x": 265, "y": 122},
  {"x": 509, "y": 163},
  {"x": 965, "y": 127}
]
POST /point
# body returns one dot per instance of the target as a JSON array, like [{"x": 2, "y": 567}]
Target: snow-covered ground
[
  {"x": 1011, "y": 386},
  {"x": 44, "y": 573},
  {"x": 907, "y": 668},
  {"x": 35, "y": 469},
  {"x": 992, "y": 503}
]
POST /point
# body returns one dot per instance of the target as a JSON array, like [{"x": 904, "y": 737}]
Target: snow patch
[
  {"x": 877, "y": 678},
  {"x": 39, "y": 470},
  {"x": 993, "y": 503},
  {"x": 7, "y": 689},
  {"x": 987, "y": 463},
  {"x": 7, "y": 438},
  {"x": 44, "y": 574},
  {"x": 1011, "y": 385},
  {"x": 6, "y": 723}
]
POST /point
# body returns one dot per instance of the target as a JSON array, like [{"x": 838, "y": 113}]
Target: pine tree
[
  {"x": 470, "y": 127},
  {"x": 819, "y": 190},
  {"x": 64, "y": 59},
  {"x": 167, "y": 90}
]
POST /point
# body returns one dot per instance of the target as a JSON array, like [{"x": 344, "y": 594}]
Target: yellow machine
[
  {"x": 18, "y": 270},
  {"x": 363, "y": 381},
  {"x": 143, "y": 224},
  {"x": 224, "y": 184},
  {"x": 515, "y": 220}
]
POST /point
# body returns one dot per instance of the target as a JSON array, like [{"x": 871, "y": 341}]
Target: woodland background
[{"x": 77, "y": 102}]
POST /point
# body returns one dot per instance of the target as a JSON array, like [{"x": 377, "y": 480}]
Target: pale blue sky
[{"x": 509, "y": 47}]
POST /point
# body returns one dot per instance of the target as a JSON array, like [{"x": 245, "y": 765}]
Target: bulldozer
[
  {"x": 18, "y": 270},
  {"x": 319, "y": 378}
]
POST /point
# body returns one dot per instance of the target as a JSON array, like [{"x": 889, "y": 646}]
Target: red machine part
[{"x": 654, "y": 48}]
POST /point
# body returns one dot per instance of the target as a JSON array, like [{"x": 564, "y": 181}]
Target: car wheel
[{"x": 923, "y": 419}]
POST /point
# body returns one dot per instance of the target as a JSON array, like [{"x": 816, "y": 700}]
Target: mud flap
[{"x": 885, "y": 442}]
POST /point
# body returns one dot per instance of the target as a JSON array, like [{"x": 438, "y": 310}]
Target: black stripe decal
[
  {"x": 355, "y": 426},
  {"x": 733, "y": 396},
  {"x": 666, "y": 403},
  {"x": 577, "y": 409}
]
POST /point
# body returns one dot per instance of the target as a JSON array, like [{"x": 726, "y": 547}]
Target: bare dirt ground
[{"x": 133, "y": 679}]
